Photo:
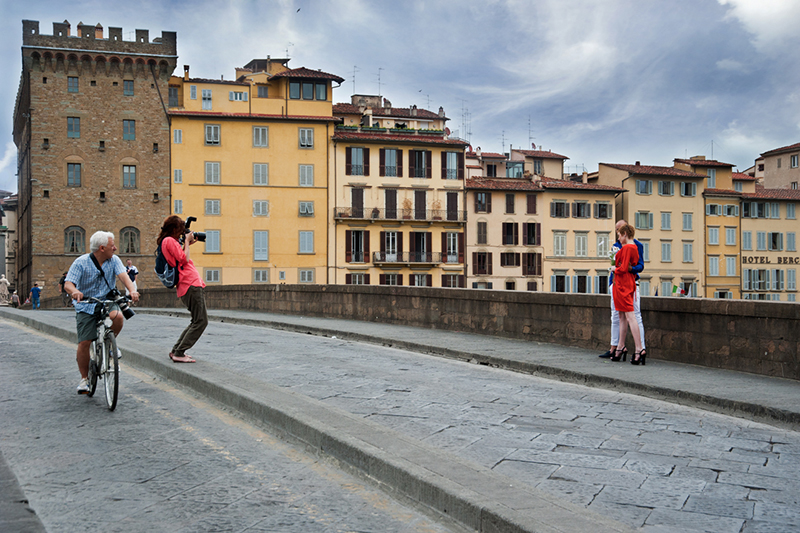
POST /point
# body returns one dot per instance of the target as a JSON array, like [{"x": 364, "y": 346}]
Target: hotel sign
[{"x": 764, "y": 260}]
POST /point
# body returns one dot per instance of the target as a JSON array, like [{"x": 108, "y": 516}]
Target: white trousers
[{"x": 615, "y": 318}]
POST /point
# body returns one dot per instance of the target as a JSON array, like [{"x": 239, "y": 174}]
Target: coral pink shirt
[{"x": 187, "y": 273}]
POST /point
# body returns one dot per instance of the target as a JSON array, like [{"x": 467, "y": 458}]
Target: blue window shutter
[
  {"x": 589, "y": 284},
  {"x": 574, "y": 283},
  {"x": 230, "y": 95},
  {"x": 552, "y": 284},
  {"x": 245, "y": 95}
]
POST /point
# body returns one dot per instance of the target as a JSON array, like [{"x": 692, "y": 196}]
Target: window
[
  {"x": 482, "y": 200},
  {"x": 510, "y": 233},
  {"x": 713, "y": 210},
  {"x": 321, "y": 91},
  {"x": 791, "y": 280},
  {"x": 482, "y": 233},
  {"x": 530, "y": 204},
  {"x": 730, "y": 236},
  {"x": 390, "y": 158},
  {"x": 666, "y": 188},
  {"x": 177, "y": 175},
  {"x": 730, "y": 210},
  {"x": 294, "y": 90},
  {"x": 666, "y": 221},
  {"x": 538, "y": 167},
  {"x": 450, "y": 166},
  {"x": 356, "y": 279},
  {"x": 306, "y": 209},
  {"x": 644, "y": 187},
  {"x": 306, "y": 276},
  {"x": 531, "y": 233},
  {"x": 790, "y": 242},
  {"x": 212, "y": 275},
  {"x": 713, "y": 235},
  {"x": 603, "y": 245},
  {"x": 261, "y": 246},
  {"x": 212, "y": 134},
  {"x": 237, "y": 96},
  {"x": 774, "y": 210},
  {"x": 666, "y": 251},
  {"x": 173, "y": 97},
  {"x": 713, "y": 265},
  {"x": 306, "y": 175},
  {"x": 356, "y": 247},
  {"x": 491, "y": 171},
  {"x": 193, "y": 92},
  {"x": 73, "y": 174},
  {"x": 128, "y": 130},
  {"x": 775, "y": 241},
  {"x": 712, "y": 178},
  {"x": 643, "y": 220},
  {"x": 581, "y": 244},
  {"x": 666, "y": 287},
  {"x": 72, "y": 84},
  {"x": 178, "y": 208},
  {"x": 510, "y": 203},
  {"x": 129, "y": 176},
  {"x": 559, "y": 281},
  {"x": 560, "y": 244},
  {"x": 452, "y": 280},
  {"x": 129, "y": 241},
  {"x": 212, "y": 172},
  {"x": 580, "y": 210},
  {"x": 260, "y": 275},
  {"x": 790, "y": 211},
  {"x": 74, "y": 239},
  {"x": 482, "y": 263},
  {"x": 206, "y": 99},
  {"x": 645, "y": 250},
  {"x": 421, "y": 161},
  {"x": 730, "y": 265},
  {"x": 308, "y": 91},
  {"x": 747, "y": 240},
  {"x": 177, "y": 136},
  {"x": 127, "y": 87},
  {"x": 602, "y": 210},
  {"x": 761, "y": 240},
  {"x": 451, "y": 248},
  {"x": 687, "y": 222},
  {"x": 687, "y": 252},
  {"x": 644, "y": 287},
  {"x": 260, "y": 136},
  {"x": 737, "y": 186},
  {"x": 509, "y": 259},
  {"x": 74, "y": 127},
  {"x": 260, "y": 174},
  {"x": 793, "y": 161},
  {"x": 514, "y": 169},
  {"x": 559, "y": 209},
  {"x": 306, "y": 242},
  {"x": 260, "y": 208},
  {"x": 356, "y": 164},
  {"x": 688, "y": 188},
  {"x": 212, "y": 207},
  {"x": 532, "y": 264},
  {"x": 306, "y": 137}
]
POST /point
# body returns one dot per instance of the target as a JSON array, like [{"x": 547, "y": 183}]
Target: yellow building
[
  {"x": 397, "y": 197},
  {"x": 250, "y": 161},
  {"x": 666, "y": 207},
  {"x": 542, "y": 163}
]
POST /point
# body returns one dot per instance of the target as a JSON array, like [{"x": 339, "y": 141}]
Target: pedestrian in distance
[
  {"x": 34, "y": 296},
  {"x": 15, "y": 300},
  {"x": 133, "y": 272},
  {"x": 624, "y": 289},
  {"x": 65, "y": 299},
  {"x": 636, "y": 269},
  {"x": 174, "y": 242},
  {"x": 94, "y": 275}
]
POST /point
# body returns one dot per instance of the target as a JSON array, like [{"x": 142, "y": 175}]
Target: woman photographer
[{"x": 175, "y": 241}]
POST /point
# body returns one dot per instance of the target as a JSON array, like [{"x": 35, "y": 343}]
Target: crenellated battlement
[{"x": 88, "y": 48}]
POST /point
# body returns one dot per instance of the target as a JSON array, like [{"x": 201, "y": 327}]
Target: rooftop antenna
[
  {"x": 712, "y": 149},
  {"x": 466, "y": 118},
  {"x": 355, "y": 69},
  {"x": 379, "y": 80},
  {"x": 530, "y": 133},
  {"x": 503, "y": 141},
  {"x": 428, "y": 98},
  {"x": 287, "y": 49}
]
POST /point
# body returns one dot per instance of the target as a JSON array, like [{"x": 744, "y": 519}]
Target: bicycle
[{"x": 103, "y": 359}]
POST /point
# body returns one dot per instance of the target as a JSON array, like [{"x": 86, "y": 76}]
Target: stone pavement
[{"x": 453, "y": 436}]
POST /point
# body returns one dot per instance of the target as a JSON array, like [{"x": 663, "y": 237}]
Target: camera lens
[{"x": 200, "y": 236}]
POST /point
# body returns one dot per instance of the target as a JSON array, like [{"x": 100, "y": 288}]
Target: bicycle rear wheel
[
  {"x": 93, "y": 370},
  {"x": 111, "y": 376}
]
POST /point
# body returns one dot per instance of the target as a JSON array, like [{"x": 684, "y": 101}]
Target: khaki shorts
[{"x": 87, "y": 324}]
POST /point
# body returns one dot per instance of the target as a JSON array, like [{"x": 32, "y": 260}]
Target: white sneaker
[
  {"x": 119, "y": 354},
  {"x": 83, "y": 386}
]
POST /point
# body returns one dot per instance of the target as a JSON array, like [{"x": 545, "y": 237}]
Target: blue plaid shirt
[{"x": 87, "y": 279}]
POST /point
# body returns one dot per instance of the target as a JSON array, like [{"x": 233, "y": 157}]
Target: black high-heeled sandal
[
  {"x": 620, "y": 355},
  {"x": 640, "y": 358}
]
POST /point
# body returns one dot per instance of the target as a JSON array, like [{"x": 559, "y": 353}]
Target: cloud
[
  {"x": 8, "y": 179},
  {"x": 772, "y": 23}
]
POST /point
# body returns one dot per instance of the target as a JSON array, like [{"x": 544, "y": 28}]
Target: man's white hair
[{"x": 100, "y": 238}]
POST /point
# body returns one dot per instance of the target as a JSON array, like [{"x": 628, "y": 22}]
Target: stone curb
[
  {"x": 741, "y": 409},
  {"x": 470, "y": 494}
]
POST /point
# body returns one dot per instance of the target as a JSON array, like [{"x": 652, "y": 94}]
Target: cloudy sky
[{"x": 596, "y": 80}]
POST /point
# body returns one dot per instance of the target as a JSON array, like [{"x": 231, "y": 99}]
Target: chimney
[
  {"x": 478, "y": 151},
  {"x": 413, "y": 110},
  {"x": 585, "y": 177},
  {"x": 441, "y": 112},
  {"x": 98, "y": 31},
  {"x": 638, "y": 163},
  {"x": 186, "y": 73}
]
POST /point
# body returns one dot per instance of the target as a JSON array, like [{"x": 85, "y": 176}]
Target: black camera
[
  {"x": 198, "y": 235},
  {"x": 115, "y": 295}
]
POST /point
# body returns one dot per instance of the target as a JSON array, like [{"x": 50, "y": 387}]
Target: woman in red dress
[{"x": 624, "y": 287}]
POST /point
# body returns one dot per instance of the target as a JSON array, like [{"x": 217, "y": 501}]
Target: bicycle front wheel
[
  {"x": 93, "y": 369},
  {"x": 111, "y": 376}
]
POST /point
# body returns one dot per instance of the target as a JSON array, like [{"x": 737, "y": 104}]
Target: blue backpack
[{"x": 166, "y": 273}]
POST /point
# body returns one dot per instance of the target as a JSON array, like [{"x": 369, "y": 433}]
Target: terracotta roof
[
  {"x": 790, "y": 148},
  {"x": 486, "y": 155},
  {"x": 307, "y": 73},
  {"x": 542, "y": 154},
  {"x": 739, "y": 176},
  {"x": 213, "y": 114},
  {"x": 497, "y": 184},
  {"x": 772, "y": 194},
  {"x": 721, "y": 192},
  {"x": 377, "y": 112},
  {"x": 703, "y": 162},
  {"x": 550, "y": 183},
  {"x": 474, "y": 166},
  {"x": 654, "y": 170},
  {"x": 340, "y": 135},
  {"x": 221, "y": 82}
]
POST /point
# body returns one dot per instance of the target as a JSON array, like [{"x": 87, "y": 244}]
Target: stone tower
[{"x": 92, "y": 133}]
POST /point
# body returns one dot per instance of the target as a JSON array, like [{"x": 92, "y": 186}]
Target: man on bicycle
[{"x": 94, "y": 275}]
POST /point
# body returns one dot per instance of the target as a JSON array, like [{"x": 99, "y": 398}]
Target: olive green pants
[{"x": 195, "y": 302}]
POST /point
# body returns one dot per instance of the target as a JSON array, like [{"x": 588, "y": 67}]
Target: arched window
[
  {"x": 74, "y": 240},
  {"x": 129, "y": 241}
]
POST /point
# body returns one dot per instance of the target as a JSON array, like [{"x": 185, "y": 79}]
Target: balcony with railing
[
  {"x": 374, "y": 213},
  {"x": 407, "y": 258}
]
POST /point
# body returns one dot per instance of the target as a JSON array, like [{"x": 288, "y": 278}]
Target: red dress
[{"x": 624, "y": 281}]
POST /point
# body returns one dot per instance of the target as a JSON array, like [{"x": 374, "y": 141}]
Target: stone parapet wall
[{"x": 748, "y": 336}]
